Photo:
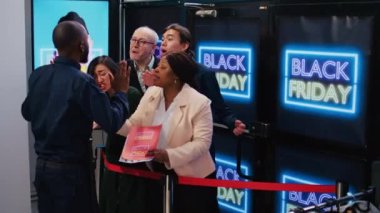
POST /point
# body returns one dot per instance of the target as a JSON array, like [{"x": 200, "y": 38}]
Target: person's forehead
[
  {"x": 101, "y": 67},
  {"x": 171, "y": 32},
  {"x": 141, "y": 34}
]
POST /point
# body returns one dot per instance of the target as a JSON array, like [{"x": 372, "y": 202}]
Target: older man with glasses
[
  {"x": 123, "y": 192},
  {"x": 141, "y": 52}
]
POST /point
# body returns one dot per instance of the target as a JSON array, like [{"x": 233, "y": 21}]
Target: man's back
[{"x": 60, "y": 105}]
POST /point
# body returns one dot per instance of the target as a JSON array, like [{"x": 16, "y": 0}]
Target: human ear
[
  {"x": 185, "y": 46},
  {"x": 82, "y": 47}
]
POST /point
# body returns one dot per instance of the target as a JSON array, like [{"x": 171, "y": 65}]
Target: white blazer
[{"x": 190, "y": 133}]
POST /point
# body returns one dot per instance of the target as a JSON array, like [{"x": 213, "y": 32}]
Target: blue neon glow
[
  {"x": 157, "y": 50},
  {"x": 300, "y": 179},
  {"x": 231, "y": 48},
  {"x": 223, "y": 161},
  {"x": 317, "y": 55}
]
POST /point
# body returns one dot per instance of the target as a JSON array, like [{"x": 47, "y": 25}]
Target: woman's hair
[
  {"x": 106, "y": 61},
  {"x": 183, "y": 66},
  {"x": 184, "y": 35},
  {"x": 73, "y": 16}
]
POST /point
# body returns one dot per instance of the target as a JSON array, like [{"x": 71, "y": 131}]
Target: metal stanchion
[
  {"x": 99, "y": 167},
  {"x": 341, "y": 189},
  {"x": 168, "y": 191},
  {"x": 258, "y": 129}
]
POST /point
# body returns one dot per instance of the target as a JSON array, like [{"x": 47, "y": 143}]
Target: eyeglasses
[{"x": 139, "y": 42}]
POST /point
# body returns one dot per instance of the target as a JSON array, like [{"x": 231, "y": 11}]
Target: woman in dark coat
[{"x": 116, "y": 189}]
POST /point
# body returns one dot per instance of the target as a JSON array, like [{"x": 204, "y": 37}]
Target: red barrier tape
[
  {"x": 125, "y": 170},
  {"x": 264, "y": 186}
]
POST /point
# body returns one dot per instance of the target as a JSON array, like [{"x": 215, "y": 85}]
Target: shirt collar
[
  {"x": 68, "y": 61},
  {"x": 150, "y": 65}
]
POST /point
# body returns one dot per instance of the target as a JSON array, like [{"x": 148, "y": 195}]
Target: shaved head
[{"x": 70, "y": 39}]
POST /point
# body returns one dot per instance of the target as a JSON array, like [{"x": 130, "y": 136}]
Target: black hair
[
  {"x": 73, "y": 16},
  {"x": 183, "y": 66},
  {"x": 106, "y": 61},
  {"x": 184, "y": 36}
]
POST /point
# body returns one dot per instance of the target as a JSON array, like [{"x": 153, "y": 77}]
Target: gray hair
[{"x": 151, "y": 33}]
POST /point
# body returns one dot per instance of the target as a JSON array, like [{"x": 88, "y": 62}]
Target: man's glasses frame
[{"x": 140, "y": 42}]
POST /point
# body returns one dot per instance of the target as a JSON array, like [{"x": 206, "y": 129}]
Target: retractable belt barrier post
[
  {"x": 168, "y": 191},
  {"x": 99, "y": 162},
  {"x": 340, "y": 191},
  {"x": 258, "y": 129}
]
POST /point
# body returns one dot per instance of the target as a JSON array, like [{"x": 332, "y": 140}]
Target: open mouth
[{"x": 102, "y": 87}]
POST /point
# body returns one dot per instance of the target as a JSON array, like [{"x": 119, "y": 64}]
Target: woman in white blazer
[{"x": 185, "y": 138}]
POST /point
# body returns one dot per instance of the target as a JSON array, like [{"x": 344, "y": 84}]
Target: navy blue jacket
[
  {"x": 61, "y": 105},
  {"x": 208, "y": 86}
]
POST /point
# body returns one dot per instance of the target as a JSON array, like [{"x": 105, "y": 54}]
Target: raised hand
[
  {"x": 148, "y": 78},
  {"x": 121, "y": 80}
]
